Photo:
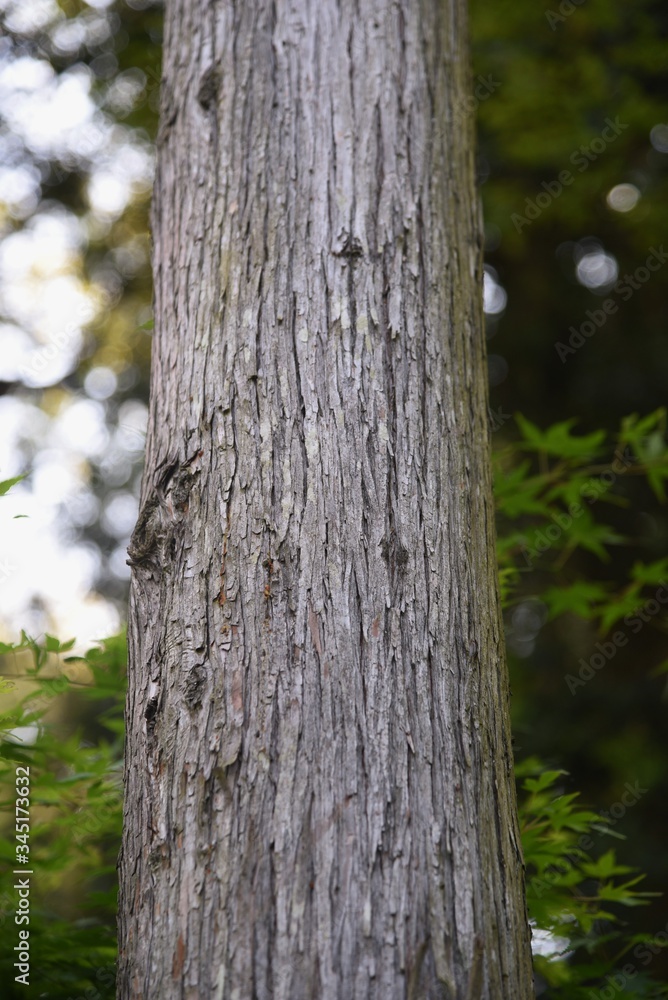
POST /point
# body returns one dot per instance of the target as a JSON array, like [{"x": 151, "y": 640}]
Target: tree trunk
[{"x": 320, "y": 798}]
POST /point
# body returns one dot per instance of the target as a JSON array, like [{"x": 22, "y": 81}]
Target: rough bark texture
[{"x": 320, "y": 796}]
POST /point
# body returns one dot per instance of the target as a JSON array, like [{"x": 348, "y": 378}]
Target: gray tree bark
[{"x": 320, "y": 798}]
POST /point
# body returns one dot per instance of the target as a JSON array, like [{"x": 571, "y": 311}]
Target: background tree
[
  {"x": 319, "y": 790},
  {"x": 557, "y": 80}
]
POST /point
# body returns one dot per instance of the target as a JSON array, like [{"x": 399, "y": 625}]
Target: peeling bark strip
[{"x": 320, "y": 796}]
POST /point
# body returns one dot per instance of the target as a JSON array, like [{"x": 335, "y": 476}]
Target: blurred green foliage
[
  {"x": 574, "y": 897},
  {"x": 65, "y": 724},
  {"x": 559, "y": 71},
  {"x": 554, "y": 489}
]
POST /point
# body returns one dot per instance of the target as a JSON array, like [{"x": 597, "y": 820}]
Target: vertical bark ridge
[{"x": 319, "y": 778}]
